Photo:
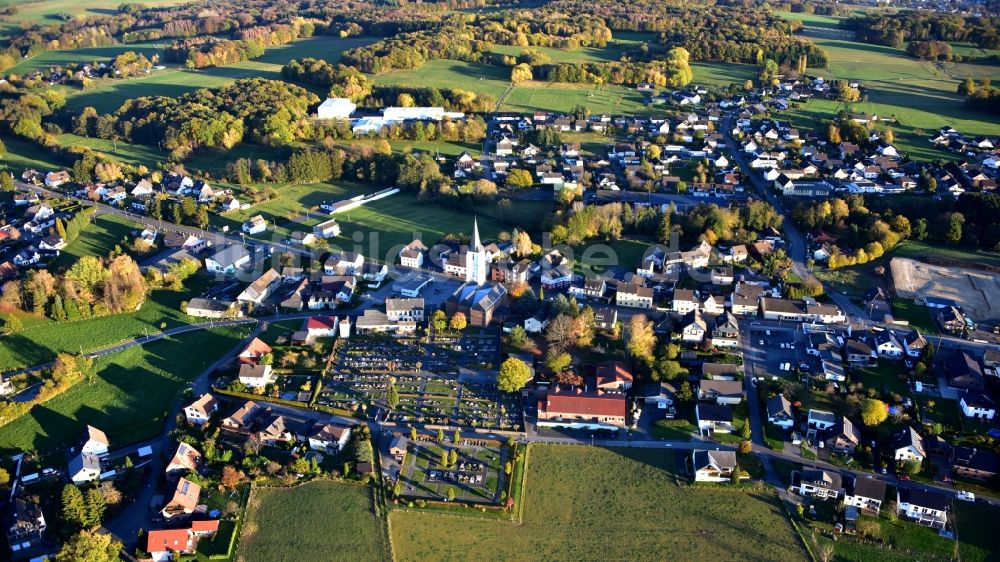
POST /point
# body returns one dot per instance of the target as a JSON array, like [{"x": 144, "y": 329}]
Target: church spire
[{"x": 476, "y": 244}]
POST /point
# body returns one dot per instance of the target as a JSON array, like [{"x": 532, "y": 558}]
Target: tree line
[
  {"x": 894, "y": 29},
  {"x": 248, "y": 44}
]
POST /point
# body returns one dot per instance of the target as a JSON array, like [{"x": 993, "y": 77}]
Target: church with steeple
[{"x": 475, "y": 258}]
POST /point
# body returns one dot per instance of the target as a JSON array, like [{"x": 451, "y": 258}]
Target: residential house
[
  {"x": 693, "y": 327},
  {"x": 865, "y": 493},
  {"x": 721, "y": 392},
  {"x": 843, "y": 437},
  {"x": 261, "y": 288},
  {"x": 95, "y": 442},
  {"x": 886, "y": 345},
  {"x": 820, "y": 420},
  {"x": 558, "y": 277},
  {"x": 327, "y": 229},
  {"x": 84, "y": 467},
  {"x": 26, "y": 525},
  {"x": 684, "y": 301},
  {"x": 745, "y": 299},
  {"x": 858, "y": 352},
  {"x": 343, "y": 263},
  {"x": 963, "y": 371},
  {"x": 184, "y": 461},
  {"x": 726, "y": 332},
  {"x": 397, "y": 309},
  {"x": 256, "y": 376},
  {"x": 605, "y": 318},
  {"x": 412, "y": 255},
  {"x": 212, "y": 308},
  {"x": 925, "y": 507},
  {"x": 255, "y": 225},
  {"x": 199, "y": 411},
  {"x": 57, "y": 178},
  {"x": 243, "y": 418},
  {"x": 908, "y": 445},
  {"x": 537, "y": 322},
  {"x": 253, "y": 352},
  {"x": 184, "y": 501},
  {"x": 713, "y": 466},
  {"x": 821, "y": 484},
  {"x": 164, "y": 545},
  {"x": 321, "y": 327},
  {"x": 634, "y": 296},
  {"x": 973, "y": 463},
  {"x": 779, "y": 412},
  {"x": 914, "y": 344},
  {"x": 877, "y": 303},
  {"x": 976, "y": 404},
  {"x": 714, "y": 419},
  {"x": 228, "y": 260},
  {"x": 328, "y": 438},
  {"x": 613, "y": 376}
]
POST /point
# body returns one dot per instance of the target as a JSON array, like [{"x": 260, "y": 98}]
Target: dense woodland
[{"x": 895, "y": 29}]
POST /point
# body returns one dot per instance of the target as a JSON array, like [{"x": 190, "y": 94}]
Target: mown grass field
[
  {"x": 42, "y": 338},
  {"x": 99, "y": 238},
  {"x": 608, "y": 504},
  {"x": 920, "y": 94},
  {"x": 316, "y": 521},
  {"x": 128, "y": 395},
  {"x": 978, "y": 539},
  {"x": 109, "y": 95}
]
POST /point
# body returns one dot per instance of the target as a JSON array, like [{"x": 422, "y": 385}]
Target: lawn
[
  {"x": 380, "y": 226},
  {"x": 316, "y": 521},
  {"x": 99, "y": 239},
  {"x": 42, "y": 338},
  {"x": 977, "y": 536},
  {"x": 588, "y": 503},
  {"x": 128, "y": 396},
  {"x": 109, "y": 95},
  {"x": 45, "y": 11}
]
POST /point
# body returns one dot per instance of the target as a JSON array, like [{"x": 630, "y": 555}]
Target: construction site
[{"x": 975, "y": 291}]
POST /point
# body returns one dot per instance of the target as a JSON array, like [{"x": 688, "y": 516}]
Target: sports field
[
  {"x": 587, "y": 503},
  {"x": 128, "y": 396},
  {"x": 316, "y": 521}
]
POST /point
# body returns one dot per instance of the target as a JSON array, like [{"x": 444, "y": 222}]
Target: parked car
[{"x": 965, "y": 496}]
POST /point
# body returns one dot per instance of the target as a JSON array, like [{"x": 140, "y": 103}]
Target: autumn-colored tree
[
  {"x": 641, "y": 339},
  {"x": 231, "y": 478}
]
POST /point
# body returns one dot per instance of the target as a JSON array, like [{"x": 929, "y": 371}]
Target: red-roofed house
[
  {"x": 322, "y": 326},
  {"x": 184, "y": 501},
  {"x": 613, "y": 375},
  {"x": 581, "y": 410},
  {"x": 164, "y": 543},
  {"x": 253, "y": 352}
]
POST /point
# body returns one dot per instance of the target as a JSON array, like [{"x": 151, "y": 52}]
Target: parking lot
[{"x": 773, "y": 351}]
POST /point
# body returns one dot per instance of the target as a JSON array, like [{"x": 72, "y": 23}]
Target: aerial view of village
[{"x": 494, "y": 280}]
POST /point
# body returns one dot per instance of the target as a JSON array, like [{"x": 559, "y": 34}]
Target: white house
[
  {"x": 84, "y": 467},
  {"x": 255, "y": 225},
  {"x": 820, "y": 483},
  {"x": 199, "y": 411},
  {"x": 975, "y": 404},
  {"x": 329, "y": 438},
  {"x": 227, "y": 260},
  {"x": 95, "y": 442},
  {"x": 908, "y": 445},
  {"x": 925, "y": 507},
  {"x": 713, "y": 466},
  {"x": 256, "y": 376},
  {"x": 779, "y": 412},
  {"x": 412, "y": 255},
  {"x": 327, "y": 229}
]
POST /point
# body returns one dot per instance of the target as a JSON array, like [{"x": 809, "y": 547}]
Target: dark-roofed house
[
  {"x": 634, "y": 296},
  {"x": 908, "y": 445},
  {"x": 605, "y": 318},
  {"x": 779, "y": 412},
  {"x": 25, "y": 526},
  {"x": 843, "y": 437},
  {"x": 713, "y": 466},
  {"x": 963, "y": 371},
  {"x": 865, "y": 493},
  {"x": 243, "y": 418},
  {"x": 970, "y": 462},
  {"x": 714, "y": 419},
  {"x": 578, "y": 409},
  {"x": 822, "y": 484},
  {"x": 721, "y": 391},
  {"x": 914, "y": 344},
  {"x": 924, "y": 507},
  {"x": 84, "y": 467}
]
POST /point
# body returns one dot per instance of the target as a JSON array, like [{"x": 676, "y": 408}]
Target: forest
[{"x": 895, "y": 29}]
